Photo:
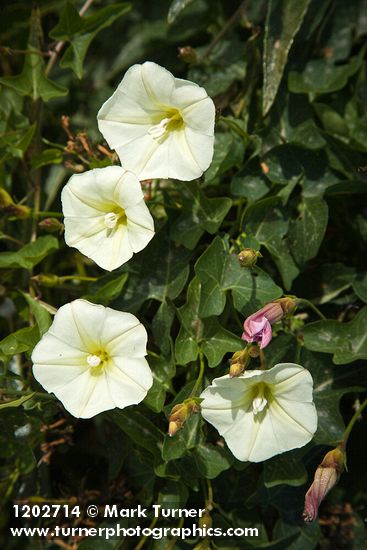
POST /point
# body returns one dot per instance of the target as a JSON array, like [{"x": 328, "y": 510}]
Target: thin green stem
[
  {"x": 153, "y": 354},
  {"x": 37, "y": 174},
  {"x": 231, "y": 21},
  {"x": 77, "y": 278},
  {"x": 172, "y": 543},
  {"x": 201, "y": 374},
  {"x": 143, "y": 540},
  {"x": 6, "y": 50},
  {"x": 210, "y": 493},
  {"x": 312, "y": 306},
  {"x": 39, "y": 395},
  {"x": 352, "y": 421},
  {"x": 12, "y": 239}
]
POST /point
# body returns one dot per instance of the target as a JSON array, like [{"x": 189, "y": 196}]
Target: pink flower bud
[
  {"x": 326, "y": 476},
  {"x": 257, "y": 327}
]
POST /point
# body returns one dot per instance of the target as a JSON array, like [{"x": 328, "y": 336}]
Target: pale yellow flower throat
[
  {"x": 112, "y": 219},
  {"x": 97, "y": 362},
  {"x": 172, "y": 121}
]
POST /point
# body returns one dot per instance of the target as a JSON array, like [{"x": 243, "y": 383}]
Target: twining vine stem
[
  {"x": 352, "y": 421},
  {"x": 201, "y": 374},
  {"x": 312, "y": 306}
]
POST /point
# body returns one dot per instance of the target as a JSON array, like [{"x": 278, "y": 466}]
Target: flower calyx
[
  {"x": 181, "y": 412},
  {"x": 288, "y": 304},
  {"x": 239, "y": 362}
]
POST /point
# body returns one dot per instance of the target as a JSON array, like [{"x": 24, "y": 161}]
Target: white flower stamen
[
  {"x": 158, "y": 130},
  {"x": 259, "y": 404},
  {"x": 93, "y": 360},
  {"x": 110, "y": 220}
]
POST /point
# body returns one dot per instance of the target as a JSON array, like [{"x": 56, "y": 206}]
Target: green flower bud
[
  {"x": 248, "y": 257},
  {"x": 236, "y": 369},
  {"x": 188, "y": 54},
  {"x": 51, "y": 225},
  {"x": 5, "y": 199}
]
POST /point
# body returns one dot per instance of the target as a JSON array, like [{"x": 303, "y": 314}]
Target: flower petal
[
  {"x": 147, "y": 96},
  {"x": 134, "y": 371},
  {"x": 199, "y": 116},
  {"x": 81, "y": 329},
  {"x": 287, "y": 421},
  {"x": 201, "y": 147},
  {"x": 132, "y": 342},
  {"x": 112, "y": 191},
  {"x": 174, "y": 157},
  {"x": 158, "y": 83}
]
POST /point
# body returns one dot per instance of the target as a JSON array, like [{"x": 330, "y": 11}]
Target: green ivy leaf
[
  {"x": 322, "y": 76},
  {"x": 161, "y": 326},
  {"x": 30, "y": 254},
  {"x": 219, "y": 271},
  {"x": 285, "y": 469},
  {"x": 32, "y": 81},
  {"x": 307, "y": 536},
  {"x": 282, "y": 24},
  {"x": 360, "y": 286},
  {"x": 199, "y": 214},
  {"x": 74, "y": 55},
  {"x": 347, "y": 341},
  {"x": 333, "y": 123},
  {"x": 107, "y": 288},
  {"x": 268, "y": 223},
  {"x": 139, "y": 428},
  {"x": 176, "y": 7},
  {"x": 307, "y": 231},
  {"x": 41, "y": 315},
  {"x": 330, "y": 425},
  {"x": 23, "y": 340},
  {"x": 17, "y": 142},
  {"x": 191, "y": 329},
  {"x": 228, "y": 152},
  {"x": 185, "y": 439},
  {"x": 163, "y": 370},
  {"x": 207, "y": 335},
  {"x": 253, "y": 187},
  {"x": 217, "y": 341},
  {"x": 48, "y": 156},
  {"x": 211, "y": 460},
  {"x": 160, "y": 271},
  {"x": 173, "y": 495},
  {"x": 70, "y": 23}
]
